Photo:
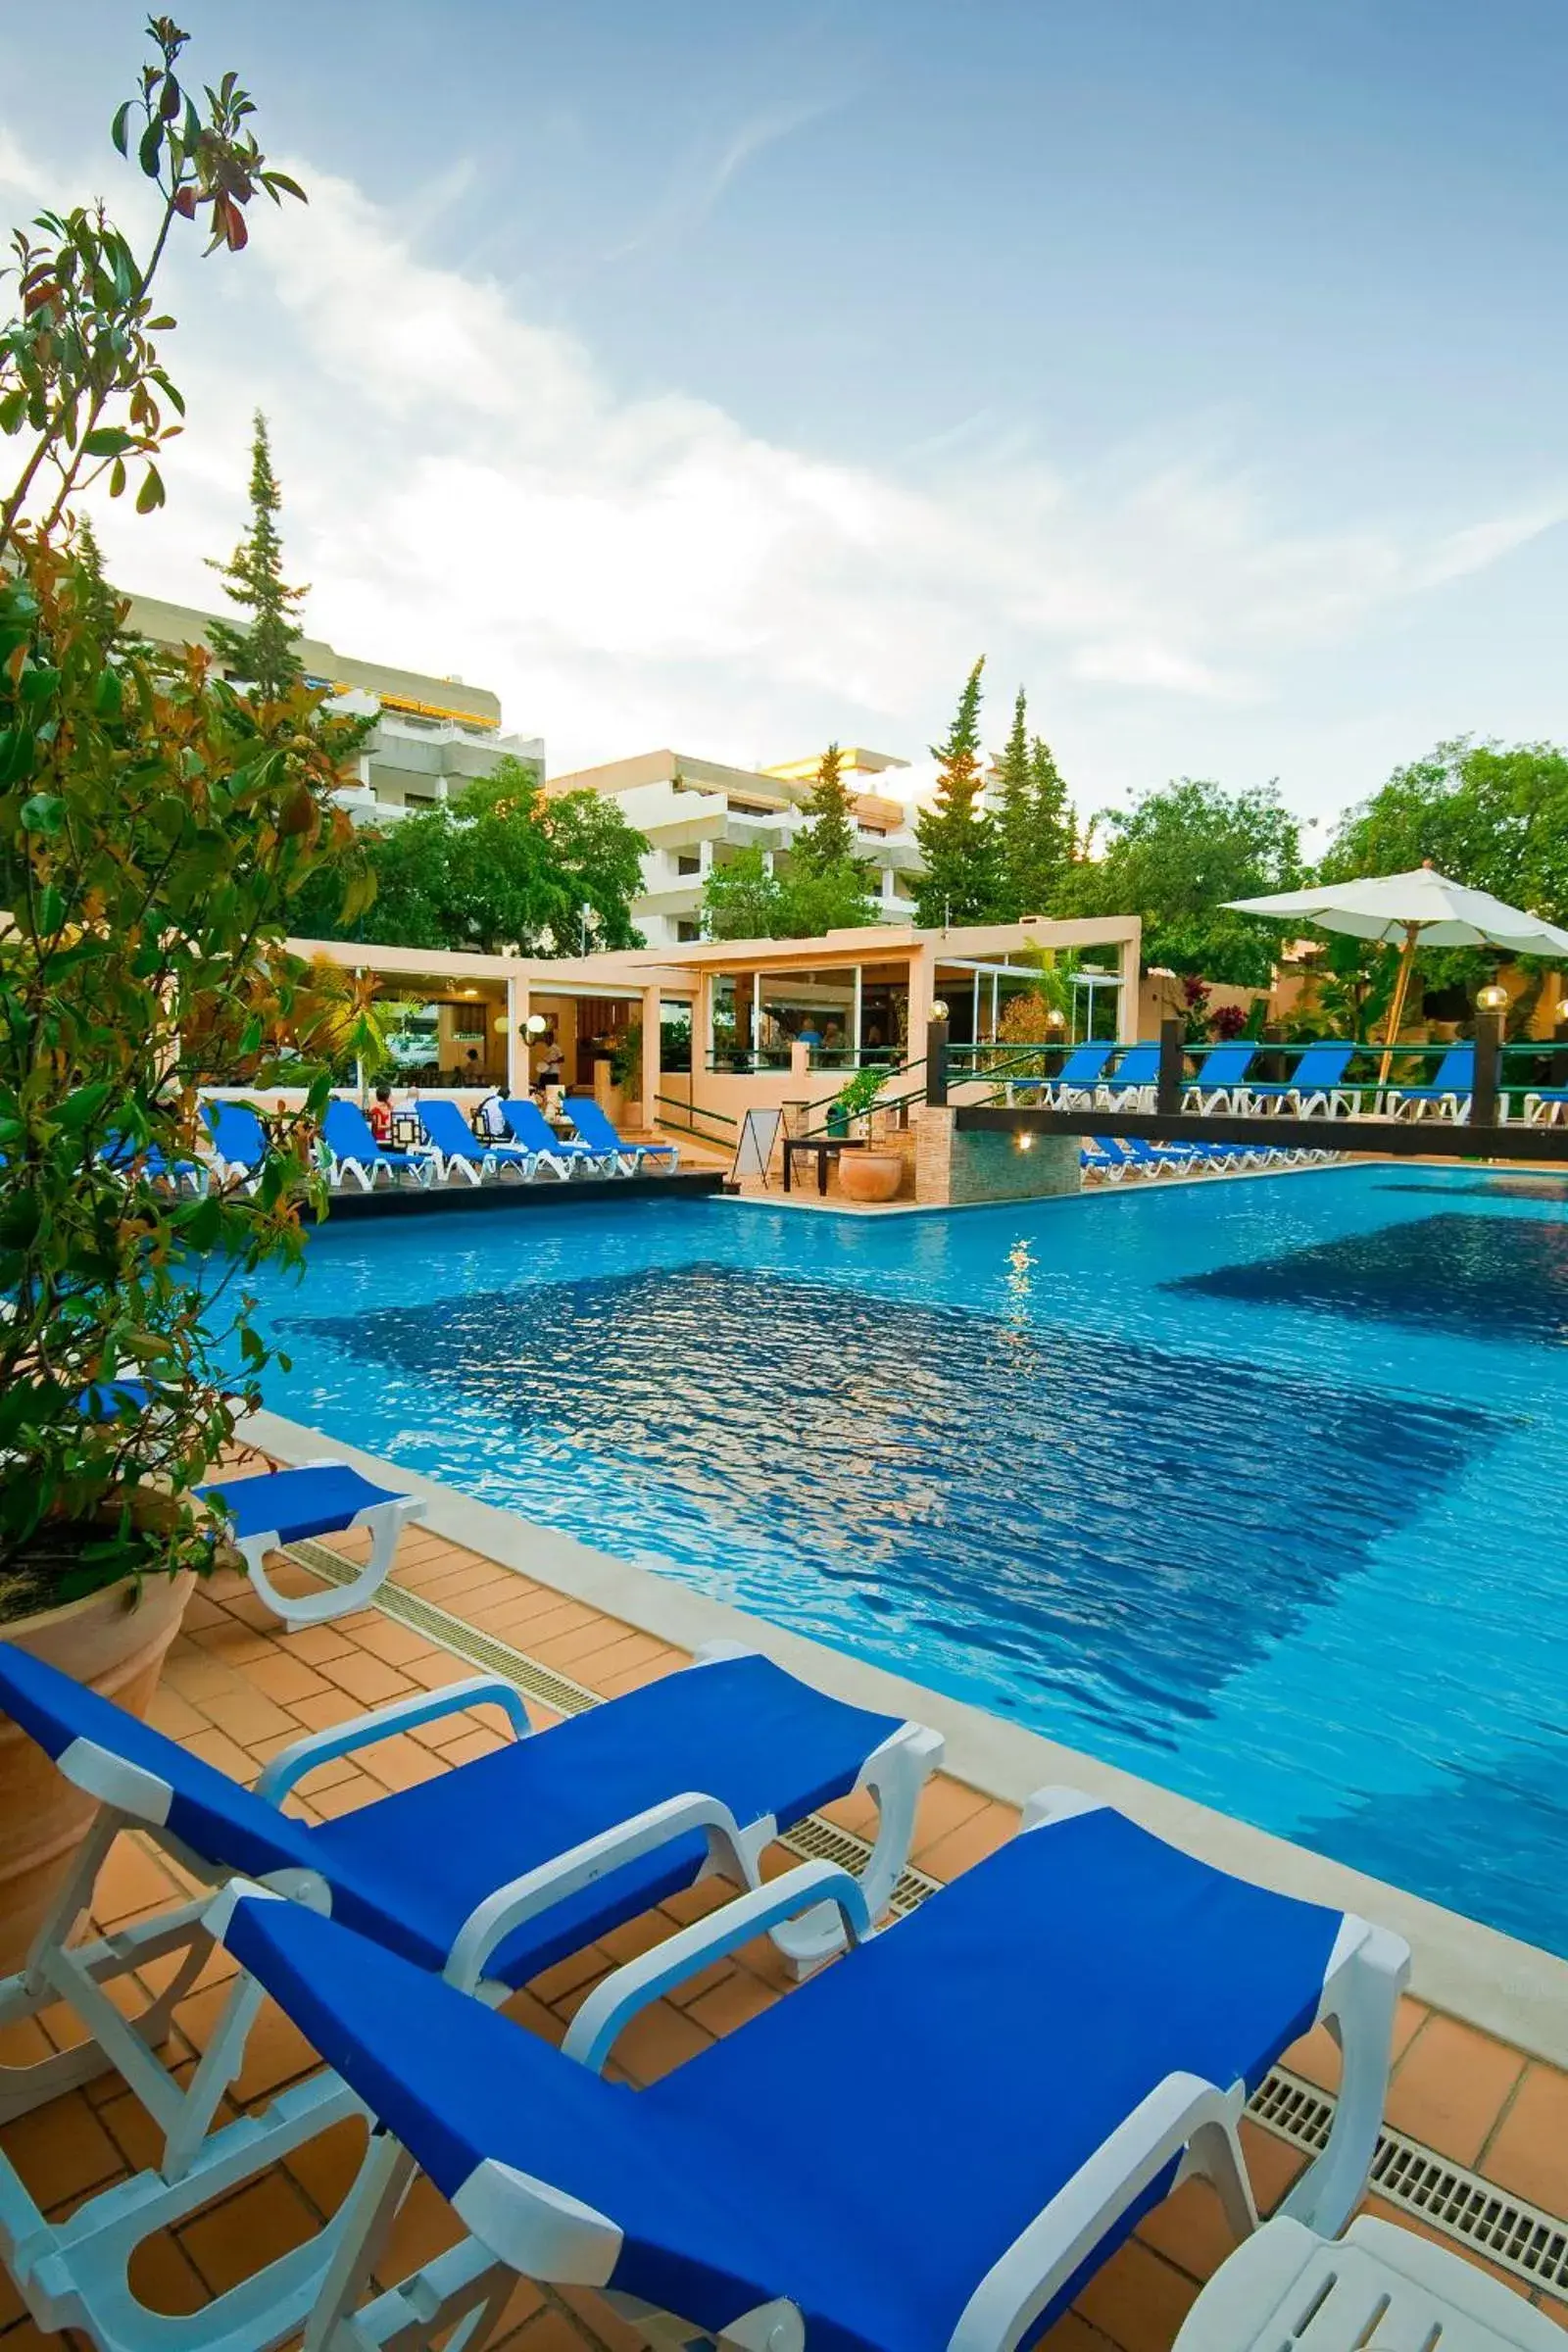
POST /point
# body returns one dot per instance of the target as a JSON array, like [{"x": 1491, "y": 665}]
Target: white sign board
[{"x": 755, "y": 1150}]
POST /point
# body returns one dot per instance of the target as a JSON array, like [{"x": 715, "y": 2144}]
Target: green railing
[{"x": 666, "y": 1105}]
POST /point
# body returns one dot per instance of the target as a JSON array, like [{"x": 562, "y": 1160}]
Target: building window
[
  {"x": 688, "y": 862},
  {"x": 732, "y": 1003},
  {"x": 685, "y": 928},
  {"x": 814, "y": 1008}
]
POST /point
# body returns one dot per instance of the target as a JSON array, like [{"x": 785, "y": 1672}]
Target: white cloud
[{"x": 466, "y": 492}]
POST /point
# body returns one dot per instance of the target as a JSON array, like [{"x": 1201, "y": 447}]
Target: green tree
[
  {"x": 1014, "y": 818},
  {"x": 743, "y": 900},
  {"x": 264, "y": 653},
  {"x": 828, "y": 838},
  {"x": 503, "y": 866},
  {"x": 153, "y": 824},
  {"x": 957, "y": 838},
  {"x": 825, "y": 887},
  {"x": 835, "y": 899},
  {"x": 1175, "y": 858},
  {"x": 1489, "y": 815},
  {"x": 1034, "y": 825},
  {"x": 1053, "y": 831}
]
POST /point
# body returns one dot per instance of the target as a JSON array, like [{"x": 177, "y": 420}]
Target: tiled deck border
[
  {"x": 1493, "y": 1981},
  {"x": 236, "y": 1689}
]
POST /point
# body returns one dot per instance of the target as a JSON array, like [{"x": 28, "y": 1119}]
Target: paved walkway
[{"x": 236, "y": 1691}]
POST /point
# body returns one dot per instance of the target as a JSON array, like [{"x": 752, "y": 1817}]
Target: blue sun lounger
[
  {"x": 1448, "y": 1093},
  {"x": 1318, "y": 1083},
  {"x": 551, "y": 1150},
  {"x": 596, "y": 1130},
  {"x": 1135, "y": 1076},
  {"x": 456, "y": 1146},
  {"x": 355, "y": 1152},
  {"x": 1067, "y": 2027},
  {"x": 1221, "y": 1079},
  {"x": 1075, "y": 1081},
  {"x": 127, "y": 1157},
  {"x": 486, "y": 1874},
  {"x": 239, "y": 1142},
  {"x": 274, "y": 1507},
  {"x": 1136, "y": 1158}
]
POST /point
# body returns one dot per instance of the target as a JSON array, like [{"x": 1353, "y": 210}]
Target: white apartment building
[
  {"x": 697, "y": 814},
  {"x": 432, "y": 736}
]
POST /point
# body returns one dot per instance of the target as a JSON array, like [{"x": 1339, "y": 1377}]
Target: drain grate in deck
[
  {"x": 1523, "y": 2239},
  {"x": 1531, "y": 2244}
]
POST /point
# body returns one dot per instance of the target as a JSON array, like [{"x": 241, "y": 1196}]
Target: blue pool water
[{"x": 1255, "y": 1489}]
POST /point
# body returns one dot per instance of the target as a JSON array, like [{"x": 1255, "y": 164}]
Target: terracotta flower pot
[
  {"x": 870, "y": 1175},
  {"x": 116, "y": 1646}
]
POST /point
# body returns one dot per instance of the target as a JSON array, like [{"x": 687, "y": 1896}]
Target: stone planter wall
[{"x": 954, "y": 1170}]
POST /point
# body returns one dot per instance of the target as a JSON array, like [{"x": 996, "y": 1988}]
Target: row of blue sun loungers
[
  {"x": 450, "y": 1148},
  {"x": 1064, "y": 2030},
  {"x": 1112, "y": 1077},
  {"x": 1112, "y": 1159}
]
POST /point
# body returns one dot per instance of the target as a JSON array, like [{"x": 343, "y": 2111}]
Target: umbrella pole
[{"x": 1391, "y": 1032}]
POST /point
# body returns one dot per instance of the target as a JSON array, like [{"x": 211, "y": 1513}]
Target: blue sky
[{"x": 728, "y": 376}]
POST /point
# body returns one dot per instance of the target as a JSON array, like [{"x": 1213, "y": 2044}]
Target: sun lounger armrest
[
  {"x": 511, "y": 1906},
  {"x": 1184, "y": 2112},
  {"x": 613, "y": 2004},
  {"x": 291, "y": 1764}
]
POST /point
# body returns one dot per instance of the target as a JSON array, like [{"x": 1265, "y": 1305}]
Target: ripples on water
[
  {"x": 1085, "y": 1511},
  {"x": 1245, "y": 1495}
]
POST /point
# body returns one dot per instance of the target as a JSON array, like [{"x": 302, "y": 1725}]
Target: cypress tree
[
  {"x": 827, "y": 838},
  {"x": 103, "y": 609},
  {"x": 957, "y": 838},
  {"x": 1053, "y": 830},
  {"x": 1014, "y": 820},
  {"x": 265, "y": 653}
]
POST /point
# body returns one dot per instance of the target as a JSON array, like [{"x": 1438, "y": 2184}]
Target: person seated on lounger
[
  {"x": 380, "y": 1116},
  {"x": 490, "y": 1119}
]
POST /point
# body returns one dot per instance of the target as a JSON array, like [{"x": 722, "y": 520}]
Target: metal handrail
[{"x": 693, "y": 1110}]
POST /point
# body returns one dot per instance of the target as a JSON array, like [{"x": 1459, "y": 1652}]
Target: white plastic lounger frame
[
  {"x": 474, "y": 1171},
  {"x": 365, "y": 1171},
  {"x": 523, "y": 2224},
  {"x": 386, "y": 1521},
  {"x": 1378, "y": 2284},
  {"x": 75, "y": 2273}
]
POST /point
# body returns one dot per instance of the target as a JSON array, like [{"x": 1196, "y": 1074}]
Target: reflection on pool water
[{"x": 1255, "y": 1489}]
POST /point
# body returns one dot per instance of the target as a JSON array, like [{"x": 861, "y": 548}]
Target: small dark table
[{"x": 825, "y": 1147}]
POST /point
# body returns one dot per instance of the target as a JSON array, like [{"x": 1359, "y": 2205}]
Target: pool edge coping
[{"x": 1496, "y": 1981}]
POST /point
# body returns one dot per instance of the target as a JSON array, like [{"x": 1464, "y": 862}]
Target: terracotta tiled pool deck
[{"x": 236, "y": 1689}]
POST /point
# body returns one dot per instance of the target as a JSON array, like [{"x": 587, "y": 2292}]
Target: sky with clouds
[{"x": 728, "y": 376}]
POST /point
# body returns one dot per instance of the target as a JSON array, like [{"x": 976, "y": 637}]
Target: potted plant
[
  {"x": 867, "y": 1175},
  {"x": 153, "y": 822}
]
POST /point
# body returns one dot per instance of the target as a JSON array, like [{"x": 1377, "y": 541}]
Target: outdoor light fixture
[
  {"x": 939, "y": 1011},
  {"x": 1055, "y": 1018},
  {"x": 535, "y": 1025},
  {"x": 1493, "y": 999},
  {"x": 1562, "y": 1009},
  {"x": 501, "y": 1025}
]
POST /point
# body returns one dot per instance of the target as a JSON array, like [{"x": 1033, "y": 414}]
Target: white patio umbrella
[{"x": 1418, "y": 909}]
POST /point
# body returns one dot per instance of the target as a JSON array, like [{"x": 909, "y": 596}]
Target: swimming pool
[{"x": 1255, "y": 1489}]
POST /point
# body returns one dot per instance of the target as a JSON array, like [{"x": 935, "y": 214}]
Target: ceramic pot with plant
[{"x": 854, "y": 1099}]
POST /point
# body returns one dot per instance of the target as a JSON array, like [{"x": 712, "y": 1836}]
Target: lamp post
[
  {"x": 1491, "y": 1002},
  {"x": 936, "y": 1055}
]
